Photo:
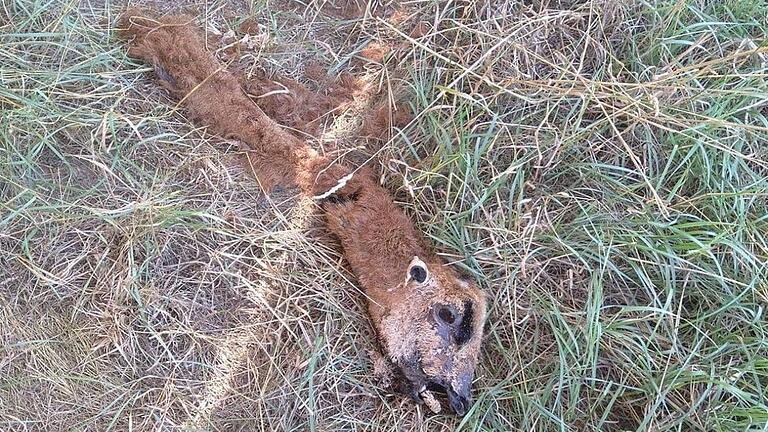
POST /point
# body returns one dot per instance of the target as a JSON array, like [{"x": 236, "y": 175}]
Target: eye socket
[
  {"x": 446, "y": 315},
  {"x": 418, "y": 273}
]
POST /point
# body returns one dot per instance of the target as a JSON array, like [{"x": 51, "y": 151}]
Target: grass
[{"x": 600, "y": 167}]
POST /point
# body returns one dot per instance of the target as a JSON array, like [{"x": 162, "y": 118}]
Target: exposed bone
[{"x": 430, "y": 401}]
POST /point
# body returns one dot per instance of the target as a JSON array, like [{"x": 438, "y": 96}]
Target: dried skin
[{"x": 380, "y": 242}]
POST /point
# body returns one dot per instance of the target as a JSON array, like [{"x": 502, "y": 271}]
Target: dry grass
[{"x": 599, "y": 166}]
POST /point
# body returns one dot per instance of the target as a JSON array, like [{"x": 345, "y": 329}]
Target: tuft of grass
[{"x": 599, "y": 167}]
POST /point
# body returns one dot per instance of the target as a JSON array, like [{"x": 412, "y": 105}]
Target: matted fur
[{"x": 379, "y": 241}]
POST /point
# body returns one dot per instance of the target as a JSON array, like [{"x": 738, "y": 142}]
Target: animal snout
[{"x": 455, "y": 324}]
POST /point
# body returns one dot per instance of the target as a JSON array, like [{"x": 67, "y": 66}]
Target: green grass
[{"x": 599, "y": 167}]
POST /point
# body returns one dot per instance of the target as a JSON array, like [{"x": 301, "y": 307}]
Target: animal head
[{"x": 432, "y": 332}]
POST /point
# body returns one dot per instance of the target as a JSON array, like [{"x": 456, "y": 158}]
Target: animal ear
[{"x": 417, "y": 271}]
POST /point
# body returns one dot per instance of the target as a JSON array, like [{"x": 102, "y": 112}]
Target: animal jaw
[{"x": 428, "y": 319}]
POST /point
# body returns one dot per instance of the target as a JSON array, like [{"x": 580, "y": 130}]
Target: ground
[{"x": 599, "y": 167}]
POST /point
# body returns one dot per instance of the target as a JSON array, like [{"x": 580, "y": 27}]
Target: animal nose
[
  {"x": 459, "y": 402},
  {"x": 460, "y": 395}
]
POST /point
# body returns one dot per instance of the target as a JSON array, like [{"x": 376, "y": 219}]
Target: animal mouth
[{"x": 434, "y": 391}]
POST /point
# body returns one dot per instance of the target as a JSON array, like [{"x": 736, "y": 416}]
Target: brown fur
[
  {"x": 379, "y": 240},
  {"x": 299, "y": 107},
  {"x": 383, "y": 117}
]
